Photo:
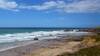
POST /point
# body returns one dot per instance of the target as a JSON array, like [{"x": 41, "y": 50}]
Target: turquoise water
[
  {"x": 23, "y": 34},
  {"x": 22, "y": 30}
]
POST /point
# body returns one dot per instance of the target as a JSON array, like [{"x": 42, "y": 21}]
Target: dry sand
[{"x": 57, "y": 49}]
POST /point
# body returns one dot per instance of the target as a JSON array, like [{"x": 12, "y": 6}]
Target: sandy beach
[{"x": 40, "y": 48}]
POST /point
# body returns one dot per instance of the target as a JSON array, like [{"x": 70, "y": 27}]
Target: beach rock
[{"x": 36, "y": 39}]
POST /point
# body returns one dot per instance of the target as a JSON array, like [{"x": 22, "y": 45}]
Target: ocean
[
  {"x": 16, "y": 36},
  {"x": 23, "y": 34}
]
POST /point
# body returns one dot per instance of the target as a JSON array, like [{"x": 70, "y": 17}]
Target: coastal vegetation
[
  {"x": 92, "y": 44},
  {"x": 91, "y": 51}
]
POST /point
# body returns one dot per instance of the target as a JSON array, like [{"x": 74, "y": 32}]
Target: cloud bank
[
  {"x": 75, "y": 6},
  {"x": 9, "y": 5}
]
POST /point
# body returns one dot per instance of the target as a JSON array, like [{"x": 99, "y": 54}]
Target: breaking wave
[{"x": 38, "y": 34}]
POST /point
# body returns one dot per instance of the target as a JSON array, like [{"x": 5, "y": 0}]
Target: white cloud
[
  {"x": 10, "y": 5},
  {"x": 44, "y": 6},
  {"x": 83, "y": 6},
  {"x": 75, "y": 6}
]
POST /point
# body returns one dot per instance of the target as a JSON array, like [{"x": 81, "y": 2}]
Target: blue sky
[{"x": 49, "y": 13}]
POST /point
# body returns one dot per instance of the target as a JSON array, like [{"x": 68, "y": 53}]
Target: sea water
[
  {"x": 13, "y": 36},
  {"x": 21, "y": 34}
]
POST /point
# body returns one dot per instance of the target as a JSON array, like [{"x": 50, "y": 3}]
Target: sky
[{"x": 49, "y": 13}]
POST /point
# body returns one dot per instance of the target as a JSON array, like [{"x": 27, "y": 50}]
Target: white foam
[{"x": 39, "y": 34}]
